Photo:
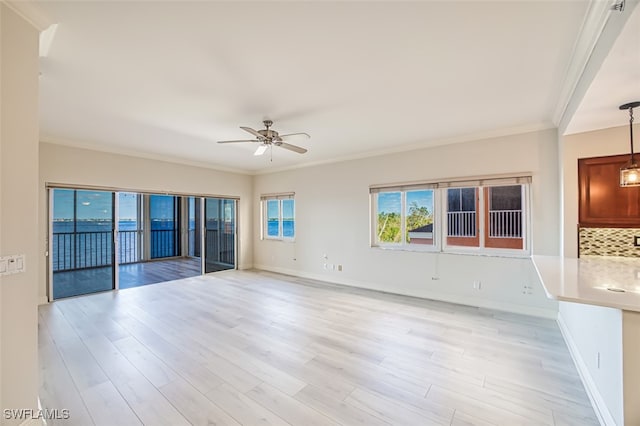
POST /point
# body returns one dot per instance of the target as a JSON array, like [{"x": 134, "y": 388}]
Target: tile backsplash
[{"x": 608, "y": 242}]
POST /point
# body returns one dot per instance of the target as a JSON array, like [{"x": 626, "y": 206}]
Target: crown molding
[
  {"x": 107, "y": 149},
  {"x": 30, "y": 12},
  {"x": 600, "y": 28},
  {"x": 471, "y": 137}
]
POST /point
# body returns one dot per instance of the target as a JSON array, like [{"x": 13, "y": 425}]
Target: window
[
  {"x": 502, "y": 214},
  {"x": 405, "y": 218},
  {"x": 462, "y": 217},
  {"x": 278, "y": 217},
  {"x": 477, "y": 216}
]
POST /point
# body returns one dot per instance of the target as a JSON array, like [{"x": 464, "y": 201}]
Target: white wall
[
  {"x": 19, "y": 206},
  {"x": 75, "y": 166},
  {"x": 589, "y": 331},
  {"x": 332, "y": 217}
]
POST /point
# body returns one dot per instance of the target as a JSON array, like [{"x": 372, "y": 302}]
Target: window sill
[
  {"x": 282, "y": 240},
  {"x": 520, "y": 254},
  {"x": 417, "y": 249},
  {"x": 463, "y": 252}
]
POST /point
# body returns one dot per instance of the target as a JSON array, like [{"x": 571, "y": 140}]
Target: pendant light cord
[{"x": 631, "y": 133}]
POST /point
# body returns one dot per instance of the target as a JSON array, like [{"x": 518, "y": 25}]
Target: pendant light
[{"x": 630, "y": 173}]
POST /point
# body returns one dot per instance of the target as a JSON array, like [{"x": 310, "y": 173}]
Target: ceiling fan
[{"x": 268, "y": 138}]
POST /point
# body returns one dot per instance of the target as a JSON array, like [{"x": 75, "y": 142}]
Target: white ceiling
[
  {"x": 168, "y": 79},
  {"x": 617, "y": 83}
]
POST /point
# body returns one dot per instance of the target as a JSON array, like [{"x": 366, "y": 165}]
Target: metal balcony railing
[
  {"x": 461, "y": 224},
  {"x": 81, "y": 250},
  {"x": 129, "y": 246},
  {"x": 505, "y": 223},
  {"x": 220, "y": 249},
  {"x": 164, "y": 243},
  {"x": 84, "y": 250}
]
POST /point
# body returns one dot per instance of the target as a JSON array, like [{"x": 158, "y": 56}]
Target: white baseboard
[
  {"x": 599, "y": 406},
  {"x": 43, "y": 300},
  {"x": 444, "y": 297}
]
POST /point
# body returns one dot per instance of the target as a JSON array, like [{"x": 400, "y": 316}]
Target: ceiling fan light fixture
[
  {"x": 630, "y": 173},
  {"x": 261, "y": 149},
  {"x": 268, "y": 138}
]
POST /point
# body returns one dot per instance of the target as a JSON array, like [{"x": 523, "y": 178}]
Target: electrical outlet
[
  {"x": 477, "y": 285},
  {"x": 339, "y": 268}
]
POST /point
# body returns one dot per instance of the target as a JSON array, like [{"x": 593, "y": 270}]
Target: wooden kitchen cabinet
[{"x": 603, "y": 203}]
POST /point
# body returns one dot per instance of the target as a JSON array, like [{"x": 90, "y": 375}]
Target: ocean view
[
  {"x": 288, "y": 228},
  {"x": 89, "y": 243}
]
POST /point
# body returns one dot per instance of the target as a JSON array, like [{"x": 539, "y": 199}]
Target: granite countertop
[{"x": 594, "y": 280}]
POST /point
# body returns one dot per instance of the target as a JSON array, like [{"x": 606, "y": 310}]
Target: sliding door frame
[
  {"x": 50, "y": 190},
  {"x": 50, "y": 186}
]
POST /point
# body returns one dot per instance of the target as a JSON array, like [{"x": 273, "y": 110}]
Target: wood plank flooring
[
  {"x": 143, "y": 273},
  {"x": 254, "y": 348},
  {"x": 92, "y": 280}
]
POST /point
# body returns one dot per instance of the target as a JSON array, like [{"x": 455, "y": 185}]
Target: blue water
[{"x": 288, "y": 228}]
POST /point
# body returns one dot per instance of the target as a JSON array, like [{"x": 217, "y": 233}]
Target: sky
[
  {"x": 98, "y": 205},
  {"x": 389, "y": 202},
  {"x": 91, "y": 204},
  {"x": 287, "y": 209}
]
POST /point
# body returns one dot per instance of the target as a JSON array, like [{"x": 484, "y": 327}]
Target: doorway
[
  {"x": 82, "y": 244},
  {"x": 155, "y": 238},
  {"x": 220, "y": 232}
]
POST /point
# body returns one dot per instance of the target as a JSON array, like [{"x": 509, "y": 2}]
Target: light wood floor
[
  {"x": 92, "y": 280},
  {"x": 256, "y": 348}
]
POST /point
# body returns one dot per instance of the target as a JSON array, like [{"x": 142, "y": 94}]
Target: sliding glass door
[
  {"x": 159, "y": 238},
  {"x": 164, "y": 213},
  {"x": 220, "y": 234},
  {"x": 82, "y": 248},
  {"x": 130, "y": 228},
  {"x": 194, "y": 226}
]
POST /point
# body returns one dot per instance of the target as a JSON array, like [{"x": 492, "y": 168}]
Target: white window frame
[
  {"x": 403, "y": 245},
  {"x": 440, "y": 214},
  {"x": 481, "y": 211},
  {"x": 264, "y": 228}
]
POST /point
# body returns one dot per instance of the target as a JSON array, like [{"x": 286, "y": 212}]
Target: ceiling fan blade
[
  {"x": 295, "y": 136},
  {"x": 261, "y": 149},
  {"x": 293, "y": 148},
  {"x": 253, "y": 132},
  {"x": 240, "y": 140}
]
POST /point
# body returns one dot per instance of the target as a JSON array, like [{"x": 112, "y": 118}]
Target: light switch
[{"x": 12, "y": 264}]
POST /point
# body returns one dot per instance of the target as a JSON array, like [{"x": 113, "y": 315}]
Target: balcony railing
[
  {"x": 505, "y": 223},
  {"x": 461, "y": 224},
  {"x": 84, "y": 250},
  {"x": 129, "y": 246},
  {"x": 220, "y": 249},
  {"x": 81, "y": 250},
  {"x": 164, "y": 243}
]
